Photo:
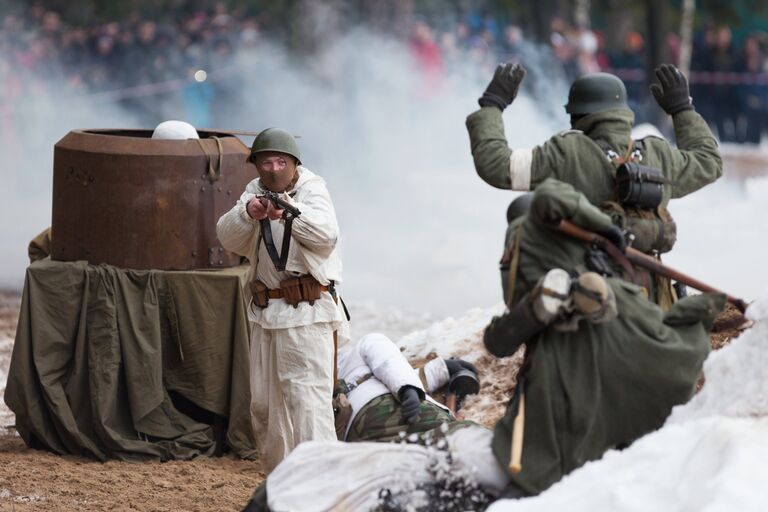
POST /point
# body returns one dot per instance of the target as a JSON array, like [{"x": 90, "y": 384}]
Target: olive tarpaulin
[{"x": 103, "y": 354}]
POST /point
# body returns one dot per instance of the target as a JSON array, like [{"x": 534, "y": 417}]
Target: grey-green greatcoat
[
  {"x": 604, "y": 385},
  {"x": 573, "y": 156}
]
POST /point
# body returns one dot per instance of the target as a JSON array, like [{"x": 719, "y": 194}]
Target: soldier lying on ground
[
  {"x": 604, "y": 366},
  {"x": 386, "y": 396},
  {"x": 380, "y": 397}
]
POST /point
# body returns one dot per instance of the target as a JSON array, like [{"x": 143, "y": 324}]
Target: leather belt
[{"x": 277, "y": 293}]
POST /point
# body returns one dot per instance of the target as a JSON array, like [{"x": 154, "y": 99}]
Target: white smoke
[{"x": 422, "y": 232}]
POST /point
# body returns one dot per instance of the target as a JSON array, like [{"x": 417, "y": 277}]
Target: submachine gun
[{"x": 289, "y": 210}]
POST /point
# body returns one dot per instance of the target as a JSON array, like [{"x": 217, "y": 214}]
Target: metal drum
[{"x": 123, "y": 198}]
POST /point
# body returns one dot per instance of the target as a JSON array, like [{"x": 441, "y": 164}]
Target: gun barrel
[
  {"x": 282, "y": 204},
  {"x": 648, "y": 262}
]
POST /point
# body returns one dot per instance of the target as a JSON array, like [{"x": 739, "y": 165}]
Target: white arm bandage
[{"x": 520, "y": 162}]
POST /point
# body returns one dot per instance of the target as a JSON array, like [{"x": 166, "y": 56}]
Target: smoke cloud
[{"x": 421, "y": 232}]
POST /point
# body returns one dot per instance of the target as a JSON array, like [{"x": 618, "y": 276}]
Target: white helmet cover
[{"x": 175, "y": 130}]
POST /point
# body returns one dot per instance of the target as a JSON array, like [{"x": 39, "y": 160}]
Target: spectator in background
[
  {"x": 428, "y": 58},
  {"x": 629, "y": 63},
  {"x": 726, "y": 103},
  {"x": 702, "y": 61},
  {"x": 586, "y": 44},
  {"x": 753, "y": 96}
]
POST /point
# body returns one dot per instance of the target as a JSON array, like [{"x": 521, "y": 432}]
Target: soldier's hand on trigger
[
  {"x": 410, "y": 404},
  {"x": 672, "y": 95},
  {"x": 502, "y": 90},
  {"x": 273, "y": 212},
  {"x": 257, "y": 209}
]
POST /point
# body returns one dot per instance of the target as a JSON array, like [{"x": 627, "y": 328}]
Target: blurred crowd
[
  {"x": 138, "y": 63},
  {"x": 729, "y": 82},
  {"x": 186, "y": 63}
]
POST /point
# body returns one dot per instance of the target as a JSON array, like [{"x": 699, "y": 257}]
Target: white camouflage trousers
[{"x": 291, "y": 388}]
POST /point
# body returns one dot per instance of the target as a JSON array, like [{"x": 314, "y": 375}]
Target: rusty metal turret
[{"x": 122, "y": 198}]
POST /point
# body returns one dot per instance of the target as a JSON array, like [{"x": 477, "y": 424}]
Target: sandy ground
[{"x": 37, "y": 480}]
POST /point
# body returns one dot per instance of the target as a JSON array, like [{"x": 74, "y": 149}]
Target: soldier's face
[{"x": 276, "y": 170}]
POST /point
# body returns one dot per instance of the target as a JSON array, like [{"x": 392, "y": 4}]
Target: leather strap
[
  {"x": 279, "y": 260},
  {"x": 213, "y": 174}
]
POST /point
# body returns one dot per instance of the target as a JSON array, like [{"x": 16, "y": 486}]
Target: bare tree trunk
[
  {"x": 581, "y": 13},
  {"x": 541, "y": 11},
  {"x": 656, "y": 38},
  {"x": 686, "y": 35}
]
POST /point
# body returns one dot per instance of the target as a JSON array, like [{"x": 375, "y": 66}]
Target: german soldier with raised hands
[{"x": 630, "y": 180}]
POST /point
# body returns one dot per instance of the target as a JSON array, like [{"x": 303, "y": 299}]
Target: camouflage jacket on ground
[{"x": 605, "y": 385}]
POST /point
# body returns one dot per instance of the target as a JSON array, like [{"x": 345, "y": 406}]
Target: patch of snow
[{"x": 449, "y": 337}]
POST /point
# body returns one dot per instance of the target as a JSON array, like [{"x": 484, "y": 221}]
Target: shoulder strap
[
  {"x": 279, "y": 260},
  {"x": 513, "y": 263},
  {"x": 634, "y": 152}
]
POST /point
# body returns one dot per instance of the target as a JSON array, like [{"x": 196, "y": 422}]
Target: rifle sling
[
  {"x": 279, "y": 260},
  {"x": 622, "y": 260}
]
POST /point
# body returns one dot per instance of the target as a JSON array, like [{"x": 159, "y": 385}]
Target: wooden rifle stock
[{"x": 643, "y": 260}]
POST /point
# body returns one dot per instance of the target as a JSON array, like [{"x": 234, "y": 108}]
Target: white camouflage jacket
[
  {"x": 315, "y": 249},
  {"x": 389, "y": 370}
]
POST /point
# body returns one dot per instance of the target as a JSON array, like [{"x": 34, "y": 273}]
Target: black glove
[
  {"x": 455, "y": 365},
  {"x": 616, "y": 236},
  {"x": 502, "y": 89},
  {"x": 672, "y": 95},
  {"x": 410, "y": 404}
]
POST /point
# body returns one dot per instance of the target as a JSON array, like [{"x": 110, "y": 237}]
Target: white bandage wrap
[{"x": 520, "y": 162}]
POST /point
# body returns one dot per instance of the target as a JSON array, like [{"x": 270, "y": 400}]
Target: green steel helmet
[
  {"x": 519, "y": 206},
  {"x": 276, "y": 139},
  {"x": 595, "y": 92}
]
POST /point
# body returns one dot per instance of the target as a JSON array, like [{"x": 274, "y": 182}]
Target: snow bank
[
  {"x": 450, "y": 337},
  {"x": 711, "y": 464},
  {"x": 710, "y": 455},
  {"x": 463, "y": 337}
]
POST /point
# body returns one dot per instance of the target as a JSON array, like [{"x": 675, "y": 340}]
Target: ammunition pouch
[
  {"x": 654, "y": 230},
  {"x": 293, "y": 290},
  {"x": 638, "y": 186},
  {"x": 260, "y": 293},
  {"x": 310, "y": 289}
]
